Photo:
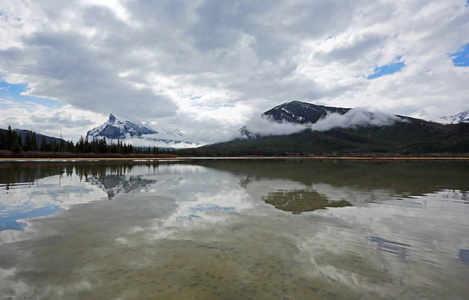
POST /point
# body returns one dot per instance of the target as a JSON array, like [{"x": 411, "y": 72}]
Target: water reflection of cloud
[
  {"x": 189, "y": 216},
  {"x": 421, "y": 232},
  {"x": 463, "y": 256},
  {"x": 47, "y": 197},
  {"x": 396, "y": 248},
  {"x": 51, "y": 193}
]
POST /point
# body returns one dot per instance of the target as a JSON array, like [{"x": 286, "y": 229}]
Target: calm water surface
[{"x": 234, "y": 230}]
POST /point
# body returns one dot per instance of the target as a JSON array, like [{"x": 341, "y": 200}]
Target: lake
[{"x": 234, "y": 229}]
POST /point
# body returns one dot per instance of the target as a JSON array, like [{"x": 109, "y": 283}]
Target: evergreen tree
[
  {"x": 16, "y": 147},
  {"x": 43, "y": 146},
  {"x": 34, "y": 146},
  {"x": 17, "y": 136},
  {"x": 80, "y": 147},
  {"x": 27, "y": 142},
  {"x": 102, "y": 146},
  {"x": 8, "y": 141},
  {"x": 70, "y": 147},
  {"x": 2, "y": 135},
  {"x": 86, "y": 146},
  {"x": 62, "y": 146}
]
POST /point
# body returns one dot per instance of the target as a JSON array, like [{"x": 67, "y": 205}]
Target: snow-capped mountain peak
[
  {"x": 462, "y": 117},
  {"x": 115, "y": 129},
  {"x": 138, "y": 134}
]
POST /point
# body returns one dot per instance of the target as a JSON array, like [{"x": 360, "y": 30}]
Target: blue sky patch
[
  {"x": 209, "y": 207},
  {"x": 387, "y": 69},
  {"x": 13, "y": 92},
  {"x": 211, "y": 106},
  {"x": 9, "y": 220},
  {"x": 461, "y": 58}
]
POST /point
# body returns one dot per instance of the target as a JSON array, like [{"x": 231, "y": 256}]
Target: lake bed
[{"x": 234, "y": 229}]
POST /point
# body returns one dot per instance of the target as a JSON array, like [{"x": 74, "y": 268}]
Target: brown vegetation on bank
[
  {"x": 4, "y": 154},
  {"x": 46, "y": 155}
]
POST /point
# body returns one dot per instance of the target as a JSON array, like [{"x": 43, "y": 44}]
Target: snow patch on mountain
[{"x": 462, "y": 117}]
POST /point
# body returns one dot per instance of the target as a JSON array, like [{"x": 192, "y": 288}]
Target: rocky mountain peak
[
  {"x": 112, "y": 119},
  {"x": 301, "y": 112}
]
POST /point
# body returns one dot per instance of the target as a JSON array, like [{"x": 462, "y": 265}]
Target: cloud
[
  {"x": 65, "y": 121},
  {"x": 354, "y": 118},
  {"x": 141, "y": 59},
  {"x": 265, "y": 126}
]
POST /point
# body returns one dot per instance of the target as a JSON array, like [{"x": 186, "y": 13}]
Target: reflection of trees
[
  {"x": 301, "y": 201},
  {"x": 17, "y": 173},
  {"x": 406, "y": 178},
  {"x": 100, "y": 170},
  {"x": 14, "y": 173}
]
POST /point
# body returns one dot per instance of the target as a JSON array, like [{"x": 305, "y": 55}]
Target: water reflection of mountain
[
  {"x": 20, "y": 173},
  {"x": 407, "y": 178},
  {"x": 317, "y": 184},
  {"x": 14, "y": 173},
  {"x": 343, "y": 183},
  {"x": 116, "y": 184},
  {"x": 301, "y": 201}
]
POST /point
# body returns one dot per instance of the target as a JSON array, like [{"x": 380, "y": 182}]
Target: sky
[{"x": 207, "y": 67}]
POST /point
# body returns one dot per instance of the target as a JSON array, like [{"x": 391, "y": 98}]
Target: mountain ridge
[
  {"x": 406, "y": 135},
  {"x": 39, "y": 136}
]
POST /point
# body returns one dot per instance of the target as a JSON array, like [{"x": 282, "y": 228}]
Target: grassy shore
[{"x": 37, "y": 155}]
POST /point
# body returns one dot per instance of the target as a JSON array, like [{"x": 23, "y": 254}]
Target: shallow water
[{"x": 278, "y": 229}]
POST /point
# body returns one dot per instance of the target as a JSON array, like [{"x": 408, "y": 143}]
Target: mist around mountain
[
  {"x": 297, "y": 127},
  {"x": 293, "y": 117},
  {"x": 139, "y": 135}
]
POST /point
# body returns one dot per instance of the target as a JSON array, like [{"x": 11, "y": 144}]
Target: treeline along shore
[
  {"x": 16, "y": 144},
  {"x": 28, "y": 145}
]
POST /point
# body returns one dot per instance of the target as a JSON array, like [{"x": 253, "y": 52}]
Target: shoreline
[{"x": 181, "y": 158}]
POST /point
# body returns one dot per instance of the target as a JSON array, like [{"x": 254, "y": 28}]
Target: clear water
[{"x": 235, "y": 229}]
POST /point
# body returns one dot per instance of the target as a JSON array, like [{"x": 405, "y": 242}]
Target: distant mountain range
[
  {"x": 343, "y": 130},
  {"x": 139, "y": 135},
  {"x": 319, "y": 129}
]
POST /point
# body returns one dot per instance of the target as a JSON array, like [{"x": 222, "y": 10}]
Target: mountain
[
  {"x": 301, "y": 112},
  {"x": 139, "y": 135},
  {"x": 462, "y": 117},
  {"x": 347, "y": 131},
  {"x": 39, "y": 137}
]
